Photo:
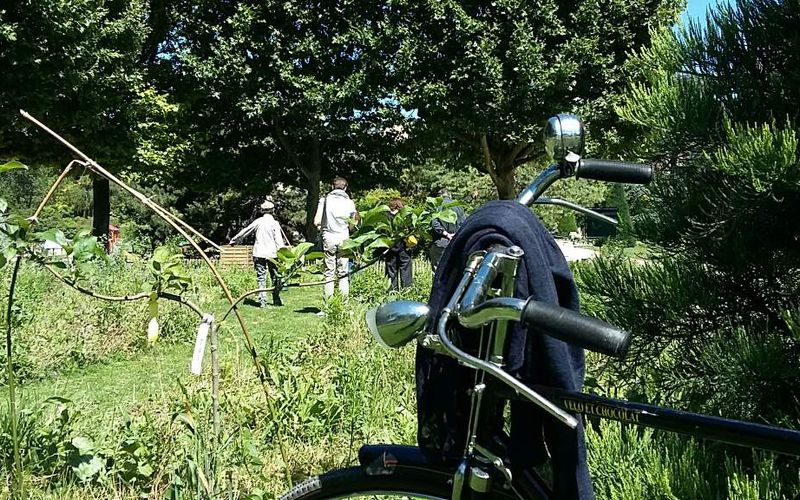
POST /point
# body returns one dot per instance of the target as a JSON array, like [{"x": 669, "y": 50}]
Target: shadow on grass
[{"x": 308, "y": 310}]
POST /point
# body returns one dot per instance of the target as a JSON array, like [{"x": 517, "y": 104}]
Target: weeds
[{"x": 334, "y": 389}]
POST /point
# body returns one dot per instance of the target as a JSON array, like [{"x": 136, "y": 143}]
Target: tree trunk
[
  {"x": 505, "y": 181},
  {"x": 101, "y": 211},
  {"x": 313, "y": 174},
  {"x": 501, "y": 169}
]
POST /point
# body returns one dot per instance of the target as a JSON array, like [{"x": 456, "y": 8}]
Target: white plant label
[{"x": 200, "y": 344}]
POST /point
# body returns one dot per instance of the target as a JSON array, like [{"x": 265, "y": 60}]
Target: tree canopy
[
  {"x": 298, "y": 85},
  {"x": 485, "y": 75},
  {"x": 212, "y": 104}
]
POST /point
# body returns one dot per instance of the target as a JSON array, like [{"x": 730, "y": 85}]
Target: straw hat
[{"x": 267, "y": 205}]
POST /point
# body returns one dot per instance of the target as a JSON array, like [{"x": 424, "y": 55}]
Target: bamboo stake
[
  {"x": 19, "y": 492},
  {"x": 97, "y": 168},
  {"x": 35, "y": 217},
  {"x": 215, "y": 401}
]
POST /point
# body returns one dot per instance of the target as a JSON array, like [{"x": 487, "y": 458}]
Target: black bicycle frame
[{"x": 735, "y": 432}]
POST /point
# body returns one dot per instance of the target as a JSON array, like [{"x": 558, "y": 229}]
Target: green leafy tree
[
  {"x": 715, "y": 318},
  {"x": 485, "y": 75},
  {"x": 567, "y": 224},
  {"x": 82, "y": 68},
  {"x": 617, "y": 198},
  {"x": 294, "y": 90}
]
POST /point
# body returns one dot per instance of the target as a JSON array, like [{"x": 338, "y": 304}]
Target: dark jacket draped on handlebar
[{"x": 442, "y": 385}]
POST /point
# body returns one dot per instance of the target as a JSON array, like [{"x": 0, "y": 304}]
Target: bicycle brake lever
[
  {"x": 478, "y": 364},
  {"x": 546, "y": 200}
]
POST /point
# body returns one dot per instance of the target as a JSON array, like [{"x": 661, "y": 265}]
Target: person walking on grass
[
  {"x": 398, "y": 261},
  {"x": 269, "y": 239},
  {"x": 334, "y": 214}
]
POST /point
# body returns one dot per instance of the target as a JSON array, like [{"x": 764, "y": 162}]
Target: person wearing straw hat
[{"x": 269, "y": 238}]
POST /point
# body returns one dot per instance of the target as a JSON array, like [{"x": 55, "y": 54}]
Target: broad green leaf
[
  {"x": 54, "y": 235},
  {"x": 86, "y": 470},
  {"x": 12, "y": 165},
  {"x": 3, "y": 205},
  {"x": 446, "y": 216},
  {"x": 85, "y": 248},
  {"x": 302, "y": 248},
  {"x": 374, "y": 215},
  {"x": 9, "y": 253},
  {"x": 19, "y": 221},
  {"x": 83, "y": 444},
  {"x": 162, "y": 255},
  {"x": 381, "y": 242},
  {"x": 145, "y": 470},
  {"x": 314, "y": 256},
  {"x": 252, "y": 452},
  {"x": 350, "y": 244},
  {"x": 365, "y": 237},
  {"x": 286, "y": 253}
]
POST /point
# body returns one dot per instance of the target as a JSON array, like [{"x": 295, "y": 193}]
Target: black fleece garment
[{"x": 536, "y": 359}]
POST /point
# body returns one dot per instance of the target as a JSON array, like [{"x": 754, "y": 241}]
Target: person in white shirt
[
  {"x": 333, "y": 218},
  {"x": 269, "y": 238}
]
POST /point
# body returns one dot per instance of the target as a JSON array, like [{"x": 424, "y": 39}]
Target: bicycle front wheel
[{"x": 354, "y": 482}]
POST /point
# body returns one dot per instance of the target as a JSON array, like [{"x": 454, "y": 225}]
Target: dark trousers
[
  {"x": 263, "y": 266},
  {"x": 399, "y": 269},
  {"x": 437, "y": 250}
]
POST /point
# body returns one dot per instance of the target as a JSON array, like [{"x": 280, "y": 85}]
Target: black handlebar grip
[
  {"x": 614, "y": 171},
  {"x": 575, "y": 328}
]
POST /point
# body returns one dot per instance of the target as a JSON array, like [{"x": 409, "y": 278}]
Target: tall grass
[
  {"x": 57, "y": 329},
  {"x": 334, "y": 390}
]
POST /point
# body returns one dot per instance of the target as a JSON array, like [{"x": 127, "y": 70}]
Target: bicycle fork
[{"x": 473, "y": 478}]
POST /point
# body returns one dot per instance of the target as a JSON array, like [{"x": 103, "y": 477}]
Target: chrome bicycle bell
[
  {"x": 395, "y": 324},
  {"x": 563, "y": 134}
]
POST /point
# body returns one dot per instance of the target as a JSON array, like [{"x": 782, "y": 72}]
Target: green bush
[
  {"x": 374, "y": 197},
  {"x": 57, "y": 328},
  {"x": 371, "y": 286},
  {"x": 567, "y": 224},
  {"x": 631, "y": 463}
]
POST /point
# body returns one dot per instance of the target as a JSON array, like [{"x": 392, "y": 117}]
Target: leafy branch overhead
[
  {"x": 378, "y": 231},
  {"x": 290, "y": 260}
]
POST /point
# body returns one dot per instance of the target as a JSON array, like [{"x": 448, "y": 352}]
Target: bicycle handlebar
[
  {"x": 576, "y": 329},
  {"x": 554, "y": 321},
  {"x": 614, "y": 171}
]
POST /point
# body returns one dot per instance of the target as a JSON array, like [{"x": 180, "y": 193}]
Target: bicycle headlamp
[
  {"x": 563, "y": 134},
  {"x": 395, "y": 324}
]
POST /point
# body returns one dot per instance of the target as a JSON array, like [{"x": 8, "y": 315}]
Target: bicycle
[{"x": 476, "y": 303}]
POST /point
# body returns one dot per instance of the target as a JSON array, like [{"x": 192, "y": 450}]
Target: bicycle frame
[
  {"x": 479, "y": 302},
  {"x": 471, "y": 306}
]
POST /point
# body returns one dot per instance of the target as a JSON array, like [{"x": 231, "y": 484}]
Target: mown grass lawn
[{"x": 111, "y": 391}]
